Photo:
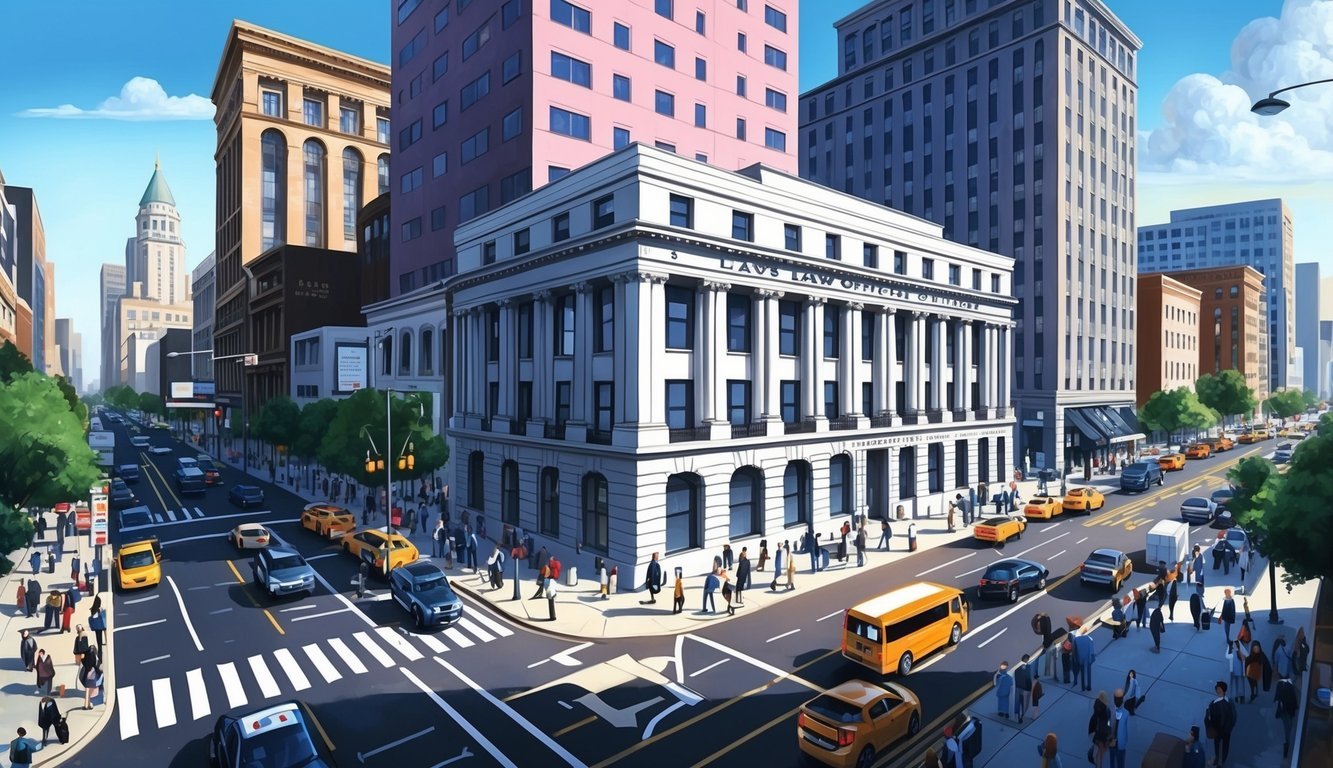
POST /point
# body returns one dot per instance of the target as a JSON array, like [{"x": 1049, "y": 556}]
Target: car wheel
[
  {"x": 1013, "y": 594},
  {"x": 418, "y": 618},
  {"x": 866, "y": 758},
  {"x": 1041, "y": 583},
  {"x": 905, "y": 664},
  {"x": 955, "y": 634},
  {"x": 914, "y": 724}
]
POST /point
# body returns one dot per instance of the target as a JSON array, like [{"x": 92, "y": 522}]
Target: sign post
[{"x": 97, "y": 532}]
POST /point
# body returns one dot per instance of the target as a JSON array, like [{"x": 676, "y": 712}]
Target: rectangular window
[
  {"x": 571, "y": 69},
  {"x": 411, "y": 229},
  {"x": 774, "y": 139},
  {"x": 870, "y": 256},
  {"x": 679, "y": 317},
  {"x": 405, "y": 8},
  {"x": 510, "y": 13},
  {"x": 476, "y": 145},
  {"x": 475, "y": 91},
  {"x": 791, "y": 401},
  {"x": 738, "y": 402},
  {"x": 603, "y": 212},
  {"x": 572, "y": 16},
  {"x": 742, "y": 226},
  {"x": 313, "y": 112},
  {"x": 621, "y": 87},
  {"x": 832, "y": 331},
  {"x": 474, "y": 203},
  {"x": 382, "y": 130},
  {"x": 560, "y": 227},
  {"x": 775, "y": 99},
  {"x": 664, "y": 103},
  {"x": 411, "y": 180},
  {"x": 409, "y": 135},
  {"x": 522, "y": 242},
  {"x": 439, "y": 165},
  {"x": 682, "y": 211},
  {"x": 791, "y": 234},
  {"x": 273, "y": 104},
  {"x": 928, "y": 269},
  {"x": 831, "y": 409},
  {"x": 477, "y": 40},
  {"x": 867, "y": 340},
  {"x": 663, "y": 8},
  {"x": 833, "y": 247},
  {"x": 555, "y": 172},
  {"x": 512, "y": 67},
  {"x": 619, "y": 138},
  {"x": 488, "y": 252},
  {"x": 515, "y": 185},
  {"x": 604, "y": 400},
  {"x": 740, "y": 128},
  {"x": 512, "y": 125},
  {"x": 739, "y": 308},
  {"x": 700, "y": 22},
  {"x": 442, "y": 19},
  {"x": 955, "y": 274},
  {"x": 740, "y": 85},
  {"x": 564, "y": 325},
  {"x": 437, "y": 219},
  {"x": 563, "y": 399},
  {"x": 440, "y": 115},
  {"x": 900, "y": 262},
  {"x": 742, "y": 42},
  {"x": 621, "y": 36},
  {"x": 605, "y": 340},
  {"x": 413, "y": 47},
  {"x": 700, "y": 69},
  {"x": 775, "y": 58},
  {"x": 789, "y": 328},
  {"x": 664, "y": 54},
  {"x": 349, "y": 120},
  {"x": 440, "y": 67},
  {"x": 700, "y": 116},
  {"x": 571, "y": 124},
  {"x": 679, "y": 404},
  {"x": 775, "y": 18}
]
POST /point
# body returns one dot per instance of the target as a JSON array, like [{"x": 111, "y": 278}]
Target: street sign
[
  {"x": 97, "y": 534},
  {"x": 250, "y": 360}
]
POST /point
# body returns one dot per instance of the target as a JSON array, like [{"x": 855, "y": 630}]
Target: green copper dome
[{"x": 157, "y": 191}]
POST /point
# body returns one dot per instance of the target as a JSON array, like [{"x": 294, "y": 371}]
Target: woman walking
[
  {"x": 1257, "y": 668},
  {"x": 97, "y": 623},
  {"x": 1235, "y": 668},
  {"x": 1049, "y": 752},
  {"x": 46, "y": 672},
  {"x": 27, "y": 650},
  {"x": 1099, "y": 726},
  {"x": 791, "y": 566},
  {"x": 726, "y": 591},
  {"x": 678, "y": 594},
  {"x": 1133, "y": 697},
  {"x": 48, "y": 714},
  {"x": 90, "y": 676}
]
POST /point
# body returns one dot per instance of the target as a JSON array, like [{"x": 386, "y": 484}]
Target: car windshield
[
  {"x": 288, "y": 745},
  {"x": 836, "y": 710},
  {"x": 1196, "y": 502},
  {"x": 999, "y": 574},
  {"x": 138, "y": 518},
  {"x": 1097, "y": 558},
  {"x": 136, "y": 559},
  {"x": 283, "y": 562},
  {"x": 995, "y": 521},
  {"x": 1135, "y": 469},
  {"x": 432, "y": 582}
]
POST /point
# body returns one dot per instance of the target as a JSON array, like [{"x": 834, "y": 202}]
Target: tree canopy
[
  {"x": 122, "y": 397},
  {"x": 1287, "y": 403},
  {"x": 1176, "y": 410},
  {"x": 1298, "y": 524},
  {"x": 278, "y": 421},
  {"x": 44, "y": 453},
  {"x": 345, "y": 447},
  {"x": 13, "y": 362},
  {"x": 1226, "y": 393},
  {"x": 1311, "y": 399},
  {"x": 314, "y": 426},
  {"x": 151, "y": 403}
]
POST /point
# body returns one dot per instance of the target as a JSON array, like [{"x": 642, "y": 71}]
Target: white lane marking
[
  {"x": 566, "y": 705},
  {"x": 566, "y": 658},
  {"x": 220, "y": 610},
  {"x": 306, "y": 607},
  {"x": 434, "y": 645},
  {"x": 717, "y": 663},
  {"x": 321, "y": 557},
  {"x": 129, "y": 712},
  {"x": 1016, "y": 554},
  {"x": 138, "y": 626},
  {"x": 171, "y": 514},
  {"x": 231, "y": 683},
  {"x": 399, "y": 742},
  {"x": 156, "y": 658},
  {"x": 198, "y": 693},
  {"x": 196, "y": 589},
  {"x": 163, "y": 702},
  {"x": 522, "y": 722},
  {"x": 1085, "y": 538},
  {"x": 831, "y": 615},
  {"x": 463, "y": 722},
  {"x": 942, "y": 565},
  {"x": 466, "y": 753},
  {"x": 737, "y": 654},
  {"x": 290, "y": 668},
  {"x": 480, "y": 633},
  {"x": 374, "y": 649},
  {"x": 322, "y": 663},
  {"x": 320, "y": 615},
  {"x": 992, "y": 637},
  {"x": 157, "y": 518},
  {"x": 784, "y": 634},
  {"x": 141, "y": 599},
  {"x": 1007, "y": 613},
  {"x": 390, "y": 636},
  {"x": 188, "y": 624},
  {"x": 250, "y": 515},
  {"x": 1057, "y": 554},
  {"x": 1051, "y": 527},
  {"x": 336, "y": 594},
  {"x": 494, "y": 626},
  {"x": 459, "y": 638},
  {"x": 199, "y": 511},
  {"x": 349, "y": 658},
  {"x": 652, "y": 724},
  {"x": 267, "y": 685}
]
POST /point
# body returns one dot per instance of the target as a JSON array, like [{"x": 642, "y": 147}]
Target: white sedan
[
  {"x": 159, "y": 449},
  {"x": 250, "y": 536}
]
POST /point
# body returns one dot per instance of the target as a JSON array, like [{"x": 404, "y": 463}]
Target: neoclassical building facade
[{"x": 653, "y": 354}]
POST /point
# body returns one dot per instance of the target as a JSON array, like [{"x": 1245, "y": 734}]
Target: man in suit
[
  {"x": 1219, "y": 719},
  {"x": 1228, "y": 614}
]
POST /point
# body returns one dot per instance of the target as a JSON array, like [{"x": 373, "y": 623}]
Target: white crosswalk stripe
[
  {"x": 475, "y": 630},
  {"x": 231, "y": 683},
  {"x": 198, "y": 693},
  {"x": 434, "y": 645},
  {"x": 349, "y": 658},
  {"x": 185, "y": 513},
  {"x": 293, "y": 670},
  {"x": 322, "y": 663},
  {"x": 198, "y": 511},
  {"x": 129, "y": 713},
  {"x": 375, "y": 651},
  {"x": 163, "y": 702},
  {"x": 171, "y": 513},
  {"x": 398, "y": 643},
  {"x": 491, "y": 624},
  {"x": 267, "y": 685},
  {"x": 458, "y": 637}
]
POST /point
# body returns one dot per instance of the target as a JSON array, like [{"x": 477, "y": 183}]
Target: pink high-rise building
[{"x": 492, "y": 99}]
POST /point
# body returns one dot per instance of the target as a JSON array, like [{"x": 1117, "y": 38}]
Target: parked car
[
  {"x": 328, "y": 520},
  {"x": 128, "y": 472},
  {"x": 1043, "y": 507},
  {"x": 1141, "y": 474},
  {"x": 282, "y": 571},
  {"x": 1171, "y": 462},
  {"x": 1110, "y": 567},
  {"x": 1198, "y": 451},
  {"x": 1199, "y": 510},
  {"x": 121, "y": 497},
  {"x": 187, "y": 462},
  {"x": 1007, "y": 578},
  {"x": 1283, "y": 453},
  {"x": 423, "y": 590},
  {"x": 273, "y": 737},
  {"x": 999, "y": 529},
  {"x": 1222, "y": 443},
  {"x": 1221, "y": 497},
  {"x": 246, "y": 495},
  {"x": 852, "y": 723},
  {"x": 135, "y": 517},
  {"x": 1083, "y": 500},
  {"x": 250, "y": 536},
  {"x": 369, "y": 545}
]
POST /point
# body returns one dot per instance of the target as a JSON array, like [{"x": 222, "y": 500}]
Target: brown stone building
[
  {"x": 1233, "y": 322},
  {"x": 1168, "y": 335}
]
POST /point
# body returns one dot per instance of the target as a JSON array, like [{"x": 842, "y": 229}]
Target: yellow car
[
  {"x": 1043, "y": 507},
  {"x": 998, "y": 530},
  {"x": 1198, "y": 451},
  {"x": 847, "y": 726},
  {"x": 369, "y": 545},
  {"x": 1262, "y": 434},
  {"x": 1292, "y": 433},
  {"x": 328, "y": 520},
  {"x": 1084, "y": 500},
  {"x": 1220, "y": 444},
  {"x": 139, "y": 564},
  {"x": 1246, "y": 438},
  {"x": 1171, "y": 462}
]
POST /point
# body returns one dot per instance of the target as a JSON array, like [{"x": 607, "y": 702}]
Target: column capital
[
  {"x": 505, "y": 302},
  {"x": 768, "y": 293},
  {"x": 856, "y": 305},
  {"x": 476, "y": 311},
  {"x": 464, "y": 312},
  {"x": 644, "y": 277},
  {"x": 815, "y": 301},
  {"x": 542, "y": 295},
  {"x": 581, "y": 287},
  {"x": 711, "y": 285}
]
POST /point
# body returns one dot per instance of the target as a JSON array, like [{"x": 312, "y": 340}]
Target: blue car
[
  {"x": 274, "y": 737},
  {"x": 423, "y": 590},
  {"x": 246, "y": 495},
  {"x": 121, "y": 496},
  {"x": 282, "y": 571}
]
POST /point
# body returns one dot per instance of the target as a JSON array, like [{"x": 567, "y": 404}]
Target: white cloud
[
  {"x": 1208, "y": 129},
  {"x": 141, "y": 98}
]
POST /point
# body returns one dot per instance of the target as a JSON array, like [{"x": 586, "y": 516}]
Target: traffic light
[{"x": 217, "y": 414}]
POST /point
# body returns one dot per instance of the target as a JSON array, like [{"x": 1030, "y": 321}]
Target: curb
[{"x": 528, "y": 624}]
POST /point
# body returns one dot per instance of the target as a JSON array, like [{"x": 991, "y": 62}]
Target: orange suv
[
  {"x": 1171, "y": 462},
  {"x": 1198, "y": 451}
]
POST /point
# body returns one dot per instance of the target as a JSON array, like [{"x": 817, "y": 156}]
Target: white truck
[
  {"x": 1168, "y": 542},
  {"x": 104, "y": 445}
]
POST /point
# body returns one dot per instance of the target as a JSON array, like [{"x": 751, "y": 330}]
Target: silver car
[{"x": 1198, "y": 510}]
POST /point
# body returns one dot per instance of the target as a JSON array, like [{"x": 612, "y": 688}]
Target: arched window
[
  {"x": 383, "y": 168},
  {"x": 796, "y": 493},
  {"x": 273, "y": 189},
  {"x": 427, "y": 361},
  {"x": 683, "y": 502},
  {"x": 405, "y": 354},
  {"x": 548, "y": 502},
  {"x": 314, "y": 193},
  {"x": 747, "y": 502},
  {"x": 840, "y": 485},
  {"x": 596, "y": 513},
  {"x": 476, "y": 482},
  {"x": 387, "y": 348},
  {"x": 351, "y": 191},
  {"x": 509, "y": 492}
]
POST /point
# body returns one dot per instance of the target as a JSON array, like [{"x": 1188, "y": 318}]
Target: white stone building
[{"x": 656, "y": 355}]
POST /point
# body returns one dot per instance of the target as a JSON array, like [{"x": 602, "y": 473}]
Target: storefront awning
[
  {"x": 1126, "y": 423},
  {"x": 1078, "y": 418}
]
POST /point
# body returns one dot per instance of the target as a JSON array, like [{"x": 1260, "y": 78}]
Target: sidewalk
[{"x": 18, "y": 706}]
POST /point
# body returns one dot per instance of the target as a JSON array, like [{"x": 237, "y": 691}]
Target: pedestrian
[
  {"x": 1004, "y": 686},
  {"x": 1288, "y": 704},
  {"x": 543, "y": 575},
  {"x": 812, "y": 546},
  {"x": 1171, "y": 596},
  {"x": 1196, "y": 609},
  {"x": 21, "y": 749},
  {"x": 423, "y": 518},
  {"x": 82, "y": 646},
  {"x": 67, "y": 612},
  {"x": 791, "y": 570},
  {"x": 842, "y": 544},
  {"x": 949, "y": 516},
  {"x": 1159, "y": 591},
  {"x": 711, "y": 583},
  {"x": 1022, "y": 688},
  {"x": 1257, "y": 669},
  {"x": 74, "y": 563},
  {"x": 1100, "y": 728},
  {"x": 860, "y": 542},
  {"x": 1134, "y": 698},
  {"x": 1085, "y": 653},
  {"x": 97, "y": 623},
  {"x": 1235, "y": 660},
  {"x": 1042, "y": 626},
  {"x": 654, "y": 580},
  {"x": 779, "y": 560},
  {"x": 953, "y": 750},
  {"x": 33, "y": 596},
  {"x": 1196, "y": 564},
  {"x": 727, "y": 591},
  {"x": 742, "y": 576},
  {"x": 41, "y": 525},
  {"x": 1037, "y": 692},
  {"x": 604, "y": 581},
  {"x": 1283, "y": 666},
  {"x": 932, "y": 760},
  {"x": 1228, "y": 614},
  {"x": 962, "y": 506},
  {"x": 1156, "y": 626},
  {"x": 55, "y": 603},
  {"x": 35, "y": 560},
  {"x": 27, "y": 650},
  {"x": 437, "y": 538},
  {"x": 885, "y": 534},
  {"x": 1049, "y": 752},
  {"x": 362, "y": 572},
  {"x": 1194, "y": 755},
  {"x": 1119, "y": 626},
  {"x": 46, "y": 672},
  {"x": 1244, "y": 560},
  {"x": 763, "y": 555},
  {"x": 1141, "y": 607},
  {"x": 678, "y": 594},
  {"x": 1120, "y": 734},
  {"x": 471, "y": 543},
  {"x": 1067, "y": 658},
  {"x": 48, "y": 714},
  {"x": 727, "y": 557},
  {"x": 1218, "y": 720}
]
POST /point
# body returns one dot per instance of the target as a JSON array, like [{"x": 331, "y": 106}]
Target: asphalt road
[{"x": 489, "y": 692}]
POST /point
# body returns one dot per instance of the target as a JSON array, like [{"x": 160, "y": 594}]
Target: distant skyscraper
[
  {"x": 1012, "y": 124},
  {"x": 155, "y": 256},
  {"x": 1309, "y": 287},
  {"x": 9, "y": 297},
  {"x": 70, "y": 345},
  {"x": 203, "y": 287},
  {"x": 112, "y": 282},
  {"x": 1256, "y": 233},
  {"x": 32, "y": 275}
]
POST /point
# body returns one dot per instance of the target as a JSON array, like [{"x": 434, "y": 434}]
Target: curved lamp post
[{"x": 1271, "y": 105}]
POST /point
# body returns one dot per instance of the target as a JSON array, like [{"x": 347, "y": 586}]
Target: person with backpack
[
  {"x": 48, "y": 714},
  {"x": 711, "y": 583},
  {"x": 90, "y": 677},
  {"x": 543, "y": 576},
  {"x": 1219, "y": 719},
  {"x": 21, "y": 749}
]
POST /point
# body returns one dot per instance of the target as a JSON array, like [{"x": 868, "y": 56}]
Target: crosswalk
[
  {"x": 174, "y": 515},
  {"x": 287, "y": 671}
]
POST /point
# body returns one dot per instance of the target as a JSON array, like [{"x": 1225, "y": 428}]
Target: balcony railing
[
  {"x": 884, "y": 420},
  {"x": 599, "y": 437},
  {"x": 687, "y": 434},
  {"x": 843, "y": 422},
  {"x": 753, "y": 429},
  {"x": 518, "y": 426},
  {"x": 798, "y": 427},
  {"x": 553, "y": 431}
]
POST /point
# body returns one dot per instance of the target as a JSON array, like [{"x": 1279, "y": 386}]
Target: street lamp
[
  {"x": 248, "y": 360},
  {"x": 375, "y": 462},
  {"x": 1271, "y": 105}
]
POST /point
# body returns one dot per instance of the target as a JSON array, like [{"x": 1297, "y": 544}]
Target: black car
[
  {"x": 128, "y": 472},
  {"x": 121, "y": 495},
  {"x": 212, "y": 473},
  {"x": 189, "y": 480},
  {"x": 1007, "y": 578},
  {"x": 245, "y": 495}
]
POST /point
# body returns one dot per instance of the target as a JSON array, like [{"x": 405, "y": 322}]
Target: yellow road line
[
  {"x": 577, "y": 725},
  {"x": 151, "y": 483},
  {"x": 323, "y": 734},
  {"x": 235, "y": 572},
  {"x": 272, "y": 620},
  {"x": 166, "y": 486}
]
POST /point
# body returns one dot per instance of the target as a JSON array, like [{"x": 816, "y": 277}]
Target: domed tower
[{"x": 155, "y": 256}]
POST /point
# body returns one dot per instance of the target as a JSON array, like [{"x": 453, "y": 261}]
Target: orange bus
[{"x": 892, "y": 631}]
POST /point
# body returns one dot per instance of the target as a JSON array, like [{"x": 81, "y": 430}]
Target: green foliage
[
  {"x": 122, "y": 397},
  {"x": 1299, "y": 522},
  {"x": 1256, "y": 482},
  {"x": 12, "y": 362},
  {"x": 44, "y": 453},
  {"x": 1310, "y": 398},
  {"x": 15, "y": 532},
  {"x": 150, "y": 403},
  {"x": 278, "y": 421},
  {"x": 315, "y": 420},
  {"x": 1226, "y": 393},
  {"x": 360, "y": 420},
  {"x": 1287, "y": 403},
  {"x": 1325, "y": 426},
  {"x": 1176, "y": 410},
  {"x": 76, "y": 405}
]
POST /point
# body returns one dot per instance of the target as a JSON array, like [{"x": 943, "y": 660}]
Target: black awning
[
  {"x": 1085, "y": 425},
  {"x": 1125, "y": 430}
]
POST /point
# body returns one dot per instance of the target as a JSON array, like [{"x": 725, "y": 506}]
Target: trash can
[
  {"x": 571, "y": 576},
  {"x": 911, "y": 537}
]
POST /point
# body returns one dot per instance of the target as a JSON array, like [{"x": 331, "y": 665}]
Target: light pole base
[{"x": 1273, "y": 617}]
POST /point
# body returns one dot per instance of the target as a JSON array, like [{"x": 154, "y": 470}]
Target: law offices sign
[{"x": 936, "y": 436}]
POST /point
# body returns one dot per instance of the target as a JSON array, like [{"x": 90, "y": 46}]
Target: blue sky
[{"x": 89, "y": 173}]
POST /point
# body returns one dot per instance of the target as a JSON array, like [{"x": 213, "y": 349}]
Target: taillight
[
  {"x": 846, "y": 737},
  {"x": 800, "y": 720}
]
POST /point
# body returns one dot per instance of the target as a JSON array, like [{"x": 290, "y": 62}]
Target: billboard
[
  {"x": 97, "y": 533},
  {"x": 182, "y": 390},
  {"x": 351, "y": 368}
]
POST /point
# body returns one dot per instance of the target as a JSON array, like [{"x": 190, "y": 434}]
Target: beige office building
[{"x": 140, "y": 321}]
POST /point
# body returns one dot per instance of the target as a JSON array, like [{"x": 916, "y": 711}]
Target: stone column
[
  {"x": 889, "y": 366},
  {"x": 581, "y": 386},
  {"x": 477, "y": 341},
  {"x": 508, "y": 363},
  {"x": 812, "y": 389},
  {"x": 968, "y": 404},
  {"x": 711, "y": 349},
  {"x": 765, "y": 383},
  {"x": 937, "y": 331},
  {"x": 850, "y": 369},
  {"x": 992, "y": 377},
  {"x": 1004, "y": 367},
  {"x": 960, "y": 367},
  {"x": 542, "y": 362},
  {"x": 913, "y": 365},
  {"x": 460, "y": 368},
  {"x": 645, "y": 295}
]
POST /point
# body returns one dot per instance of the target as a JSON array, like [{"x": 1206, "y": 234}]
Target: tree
[
  {"x": 15, "y": 531},
  {"x": 344, "y": 448},
  {"x": 1176, "y": 410},
  {"x": 278, "y": 422},
  {"x": 1297, "y": 525},
  {"x": 44, "y": 453},
  {"x": 1226, "y": 393},
  {"x": 314, "y": 425},
  {"x": 1286, "y": 403},
  {"x": 122, "y": 397},
  {"x": 1310, "y": 398},
  {"x": 76, "y": 405},
  {"x": 13, "y": 362},
  {"x": 151, "y": 403}
]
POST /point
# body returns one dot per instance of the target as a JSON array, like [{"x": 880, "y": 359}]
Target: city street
[{"x": 205, "y": 642}]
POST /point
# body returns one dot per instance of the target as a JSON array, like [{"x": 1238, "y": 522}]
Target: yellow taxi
[
  {"x": 999, "y": 529},
  {"x": 1220, "y": 444},
  {"x": 1084, "y": 500},
  {"x": 1198, "y": 451},
  {"x": 1262, "y": 434},
  {"x": 139, "y": 564},
  {"x": 370, "y": 545},
  {"x": 328, "y": 520},
  {"x": 1246, "y": 438},
  {"x": 1171, "y": 462},
  {"x": 848, "y": 725},
  {"x": 1292, "y": 433},
  {"x": 1043, "y": 507}
]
